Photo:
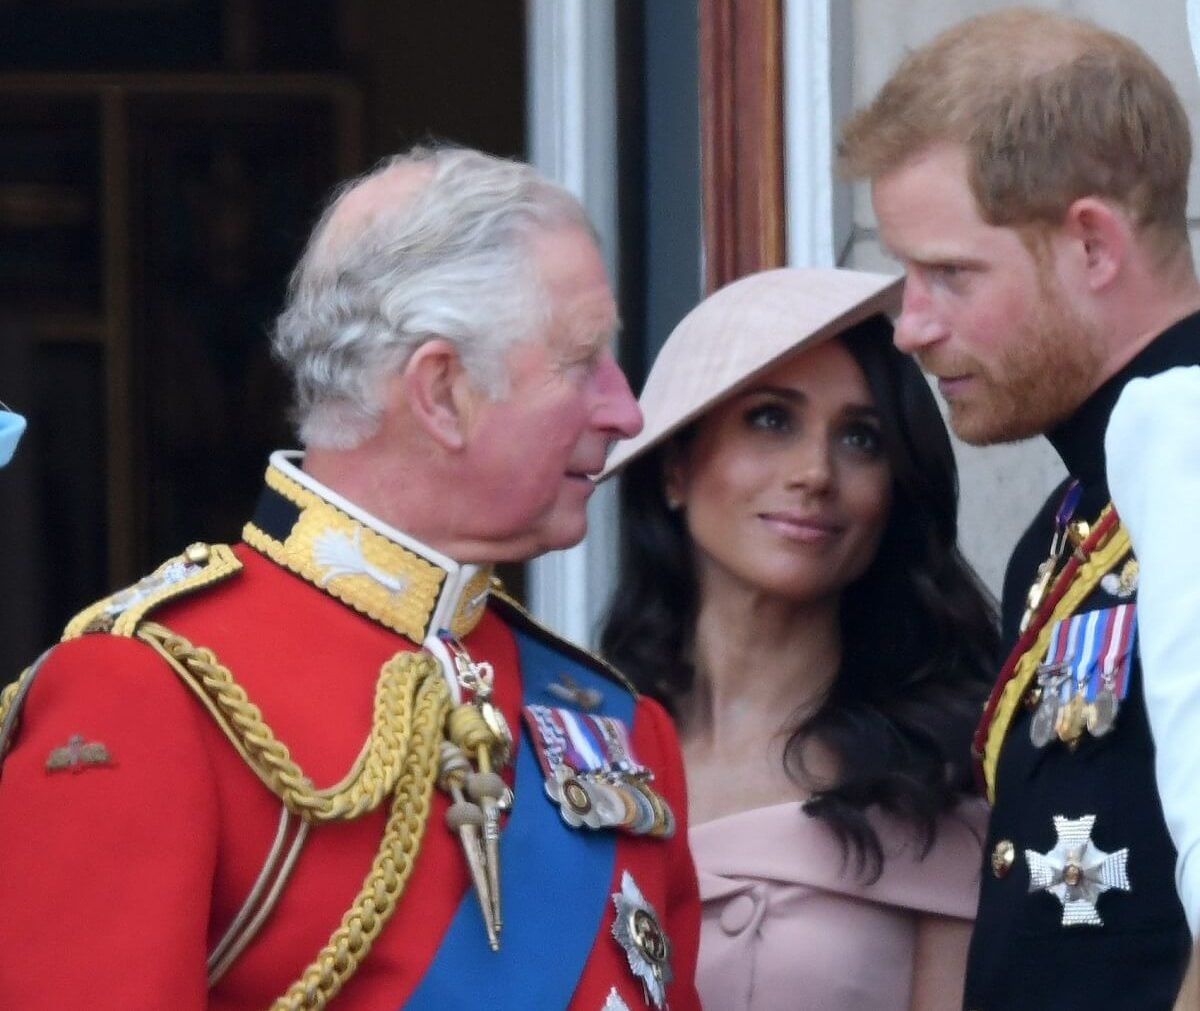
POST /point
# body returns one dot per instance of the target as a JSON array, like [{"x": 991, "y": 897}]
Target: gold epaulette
[
  {"x": 515, "y": 611},
  {"x": 199, "y": 566}
]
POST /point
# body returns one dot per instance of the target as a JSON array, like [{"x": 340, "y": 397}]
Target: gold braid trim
[
  {"x": 7, "y": 696},
  {"x": 400, "y": 758},
  {"x": 199, "y": 566},
  {"x": 383, "y": 886},
  {"x": 375, "y": 771},
  {"x": 12, "y": 698}
]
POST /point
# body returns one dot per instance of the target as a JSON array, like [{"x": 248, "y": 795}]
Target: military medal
[
  {"x": 1069, "y": 723},
  {"x": 592, "y": 774},
  {"x": 646, "y": 945},
  {"x": 1107, "y": 675},
  {"x": 588, "y": 802},
  {"x": 1109, "y": 680},
  {"x": 1102, "y": 713},
  {"x": 1076, "y": 871},
  {"x": 1050, "y": 678},
  {"x": 1084, "y": 676},
  {"x": 1041, "y": 727}
]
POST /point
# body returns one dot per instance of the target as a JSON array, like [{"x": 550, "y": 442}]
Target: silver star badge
[
  {"x": 1076, "y": 871},
  {"x": 637, "y": 930},
  {"x": 614, "y": 1002}
]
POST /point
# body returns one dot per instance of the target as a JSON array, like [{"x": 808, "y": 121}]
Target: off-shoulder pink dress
[{"x": 787, "y": 926}]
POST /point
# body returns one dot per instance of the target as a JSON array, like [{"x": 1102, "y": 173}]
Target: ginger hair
[{"x": 1048, "y": 109}]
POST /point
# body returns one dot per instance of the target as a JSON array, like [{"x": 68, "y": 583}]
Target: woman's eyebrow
[
  {"x": 783, "y": 392},
  {"x": 795, "y": 395},
  {"x": 863, "y": 411}
]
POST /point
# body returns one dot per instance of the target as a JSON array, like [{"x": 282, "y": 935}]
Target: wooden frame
[
  {"x": 113, "y": 97},
  {"x": 741, "y": 137}
]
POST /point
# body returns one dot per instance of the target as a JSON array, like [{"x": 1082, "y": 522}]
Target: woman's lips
[{"x": 800, "y": 527}]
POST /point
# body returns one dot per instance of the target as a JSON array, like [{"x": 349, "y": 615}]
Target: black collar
[{"x": 1080, "y": 439}]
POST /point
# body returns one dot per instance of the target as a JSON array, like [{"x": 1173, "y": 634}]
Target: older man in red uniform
[{"x": 334, "y": 762}]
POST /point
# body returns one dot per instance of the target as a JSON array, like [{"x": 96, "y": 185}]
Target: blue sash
[{"x": 554, "y": 880}]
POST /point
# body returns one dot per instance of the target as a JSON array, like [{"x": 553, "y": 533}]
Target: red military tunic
[{"x": 118, "y": 875}]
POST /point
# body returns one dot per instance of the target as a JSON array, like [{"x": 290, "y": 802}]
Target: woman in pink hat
[{"x": 793, "y": 591}]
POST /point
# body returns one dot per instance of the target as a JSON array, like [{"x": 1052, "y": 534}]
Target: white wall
[{"x": 1002, "y": 486}]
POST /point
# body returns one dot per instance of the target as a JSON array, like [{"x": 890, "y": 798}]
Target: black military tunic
[{"x": 1022, "y": 957}]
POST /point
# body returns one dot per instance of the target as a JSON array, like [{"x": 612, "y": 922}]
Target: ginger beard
[{"x": 1034, "y": 381}]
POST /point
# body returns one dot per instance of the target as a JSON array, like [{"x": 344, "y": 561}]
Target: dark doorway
[{"x": 161, "y": 162}]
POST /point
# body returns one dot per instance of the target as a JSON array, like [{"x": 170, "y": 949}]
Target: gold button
[
  {"x": 197, "y": 553},
  {"x": 1003, "y": 856}
]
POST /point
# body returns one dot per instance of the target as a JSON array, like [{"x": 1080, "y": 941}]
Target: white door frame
[
  {"x": 572, "y": 133},
  {"x": 817, "y": 91}
]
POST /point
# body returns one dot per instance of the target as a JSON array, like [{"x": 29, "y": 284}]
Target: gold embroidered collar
[{"x": 348, "y": 554}]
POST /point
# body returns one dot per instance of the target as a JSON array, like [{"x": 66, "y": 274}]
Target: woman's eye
[
  {"x": 864, "y": 438},
  {"x": 771, "y": 417}
]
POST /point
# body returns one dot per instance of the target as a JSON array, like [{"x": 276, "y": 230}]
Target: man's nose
[
  {"x": 918, "y": 324},
  {"x": 617, "y": 410}
]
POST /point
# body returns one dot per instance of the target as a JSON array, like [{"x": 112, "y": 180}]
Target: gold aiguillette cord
[{"x": 477, "y": 729}]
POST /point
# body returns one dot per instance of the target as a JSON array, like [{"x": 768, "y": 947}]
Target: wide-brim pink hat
[{"x": 741, "y": 331}]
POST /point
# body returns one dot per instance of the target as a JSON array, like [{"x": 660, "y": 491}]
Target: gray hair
[{"x": 451, "y": 261}]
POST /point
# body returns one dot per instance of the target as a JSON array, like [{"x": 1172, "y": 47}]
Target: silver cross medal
[
  {"x": 1050, "y": 679},
  {"x": 1076, "y": 871}
]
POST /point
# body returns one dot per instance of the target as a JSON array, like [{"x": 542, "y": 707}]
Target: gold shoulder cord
[
  {"x": 6, "y": 701},
  {"x": 11, "y": 700},
  {"x": 375, "y": 771},
  {"x": 400, "y": 758},
  {"x": 6, "y": 697}
]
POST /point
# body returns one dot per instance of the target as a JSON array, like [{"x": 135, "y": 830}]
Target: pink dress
[{"x": 785, "y": 926}]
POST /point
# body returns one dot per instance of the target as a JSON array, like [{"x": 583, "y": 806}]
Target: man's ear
[
  {"x": 439, "y": 394},
  {"x": 1103, "y": 234}
]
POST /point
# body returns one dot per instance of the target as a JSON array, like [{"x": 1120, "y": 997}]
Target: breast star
[{"x": 1076, "y": 871}]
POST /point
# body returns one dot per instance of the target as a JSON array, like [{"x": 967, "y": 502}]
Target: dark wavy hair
[{"x": 919, "y": 631}]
